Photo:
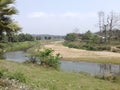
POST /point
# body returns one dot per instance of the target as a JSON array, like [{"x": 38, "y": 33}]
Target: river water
[{"x": 91, "y": 68}]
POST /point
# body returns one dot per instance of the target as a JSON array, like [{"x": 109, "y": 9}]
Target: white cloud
[
  {"x": 37, "y": 15},
  {"x": 71, "y": 14},
  {"x": 63, "y": 15}
]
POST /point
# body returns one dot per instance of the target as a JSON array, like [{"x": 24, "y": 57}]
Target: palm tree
[{"x": 7, "y": 25}]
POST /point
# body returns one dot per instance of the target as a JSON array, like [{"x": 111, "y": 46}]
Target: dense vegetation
[{"x": 92, "y": 41}]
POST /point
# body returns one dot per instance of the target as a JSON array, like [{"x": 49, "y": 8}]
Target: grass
[
  {"x": 20, "y": 46},
  {"x": 49, "y": 79},
  {"x": 17, "y": 46}
]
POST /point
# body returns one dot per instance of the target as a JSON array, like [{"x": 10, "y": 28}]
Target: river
[{"x": 91, "y": 68}]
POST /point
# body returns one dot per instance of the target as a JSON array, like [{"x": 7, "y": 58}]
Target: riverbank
[
  {"x": 19, "y": 46},
  {"x": 84, "y": 55},
  {"x": 40, "y": 78}
]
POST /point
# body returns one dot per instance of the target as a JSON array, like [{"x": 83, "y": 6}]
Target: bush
[
  {"x": 72, "y": 45},
  {"x": 48, "y": 59},
  {"x": 54, "y": 61},
  {"x": 89, "y": 47},
  {"x": 45, "y": 58}
]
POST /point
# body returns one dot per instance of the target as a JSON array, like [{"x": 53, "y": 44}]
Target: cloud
[
  {"x": 71, "y": 14},
  {"x": 63, "y": 15},
  {"x": 37, "y": 15}
]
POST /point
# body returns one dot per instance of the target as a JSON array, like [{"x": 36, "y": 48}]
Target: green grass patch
[
  {"x": 50, "y": 79},
  {"x": 19, "y": 46}
]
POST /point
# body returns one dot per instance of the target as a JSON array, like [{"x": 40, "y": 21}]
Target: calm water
[{"x": 92, "y": 68}]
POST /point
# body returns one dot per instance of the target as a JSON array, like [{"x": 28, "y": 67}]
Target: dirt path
[{"x": 79, "y": 54}]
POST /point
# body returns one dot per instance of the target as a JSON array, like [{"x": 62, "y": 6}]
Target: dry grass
[{"x": 85, "y": 55}]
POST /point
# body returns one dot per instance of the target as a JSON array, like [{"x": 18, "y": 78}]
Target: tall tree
[
  {"x": 101, "y": 16},
  {"x": 113, "y": 22},
  {"x": 109, "y": 23},
  {"x": 7, "y": 25}
]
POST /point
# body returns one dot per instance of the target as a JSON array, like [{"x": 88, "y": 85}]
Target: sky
[{"x": 59, "y": 17}]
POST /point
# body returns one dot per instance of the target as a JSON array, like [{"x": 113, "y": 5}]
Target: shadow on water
[{"x": 92, "y": 68}]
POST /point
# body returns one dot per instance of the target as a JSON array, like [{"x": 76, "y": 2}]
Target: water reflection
[
  {"x": 109, "y": 68},
  {"x": 92, "y": 68}
]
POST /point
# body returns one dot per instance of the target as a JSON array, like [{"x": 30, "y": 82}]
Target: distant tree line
[
  {"x": 18, "y": 38},
  {"x": 48, "y": 37},
  {"x": 87, "y": 37}
]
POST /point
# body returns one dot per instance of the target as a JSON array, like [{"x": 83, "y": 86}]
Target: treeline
[
  {"x": 48, "y": 37},
  {"x": 93, "y": 41},
  {"x": 108, "y": 37},
  {"x": 17, "y": 38}
]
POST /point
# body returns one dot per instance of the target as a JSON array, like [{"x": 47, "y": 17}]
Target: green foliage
[
  {"x": 89, "y": 46},
  {"x": 18, "y": 76},
  {"x": 25, "y": 37},
  {"x": 16, "y": 46},
  {"x": 71, "y": 37},
  {"x": 7, "y": 24},
  {"x": 48, "y": 59},
  {"x": 5, "y": 73},
  {"x": 72, "y": 44},
  {"x": 2, "y": 71},
  {"x": 89, "y": 37},
  {"x": 88, "y": 41}
]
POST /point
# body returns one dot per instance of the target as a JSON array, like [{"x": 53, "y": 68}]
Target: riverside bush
[
  {"x": 48, "y": 59},
  {"x": 45, "y": 58}
]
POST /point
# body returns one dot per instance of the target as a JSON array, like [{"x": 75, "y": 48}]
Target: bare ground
[{"x": 79, "y": 54}]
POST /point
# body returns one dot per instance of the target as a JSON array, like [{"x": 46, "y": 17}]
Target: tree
[
  {"x": 101, "y": 17},
  {"x": 71, "y": 37},
  {"x": 111, "y": 22},
  {"x": 89, "y": 37},
  {"x": 7, "y": 25},
  {"x": 25, "y": 37}
]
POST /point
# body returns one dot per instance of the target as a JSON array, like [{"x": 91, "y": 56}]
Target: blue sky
[{"x": 61, "y": 16}]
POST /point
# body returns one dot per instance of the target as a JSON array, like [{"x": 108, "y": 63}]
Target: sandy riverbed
[{"x": 79, "y": 54}]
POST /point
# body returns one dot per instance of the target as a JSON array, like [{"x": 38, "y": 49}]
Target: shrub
[
  {"x": 45, "y": 58},
  {"x": 48, "y": 59},
  {"x": 54, "y": 61}
]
